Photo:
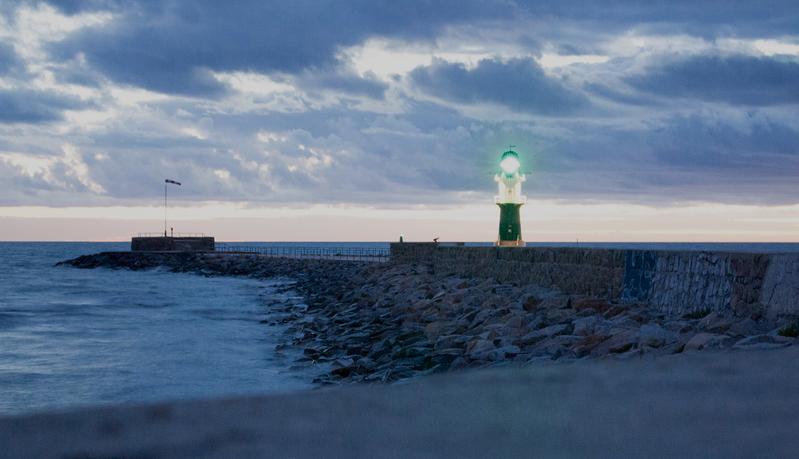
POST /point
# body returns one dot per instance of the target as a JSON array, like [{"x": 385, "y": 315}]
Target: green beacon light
[
  {"x": 510, "y": 162},
  {"x": 510, "y": 199}
]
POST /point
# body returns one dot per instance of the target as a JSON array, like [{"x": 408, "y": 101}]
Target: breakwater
[
  {"x": 676, "y": 282},
  {"x": 437, "y": 308}
]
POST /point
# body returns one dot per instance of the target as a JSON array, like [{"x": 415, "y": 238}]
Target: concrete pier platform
[{"x": 724, "y": 404}]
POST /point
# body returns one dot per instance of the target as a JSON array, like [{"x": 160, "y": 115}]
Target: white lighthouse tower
[{"x": 510, "y": 200}]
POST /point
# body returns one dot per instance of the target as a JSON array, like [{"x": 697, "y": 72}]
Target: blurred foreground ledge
[{"x": 712, "y": 404}]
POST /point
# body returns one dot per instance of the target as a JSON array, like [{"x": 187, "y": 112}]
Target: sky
[{"x": 363, "y": 120}]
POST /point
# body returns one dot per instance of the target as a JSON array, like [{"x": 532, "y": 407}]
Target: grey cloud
[
  {"x": 345, "y": 82},
  {"x": 431, "y": 153},
  {"x": 519, "y": 84},
  {"x": 734, "y": 79},
  {"x": 703, "y": 143},
  {"x": 621, "y": 95},
  {"x": 705, "y": 156},
  {"x": 169, "y": 46},
  {"x": 27, "y": 106},
  {"x": 8, "y": 58},
  {"x": 711, "y": 18}
]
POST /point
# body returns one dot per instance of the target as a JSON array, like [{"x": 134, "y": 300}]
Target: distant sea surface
[{"x": 72, "y": 337}]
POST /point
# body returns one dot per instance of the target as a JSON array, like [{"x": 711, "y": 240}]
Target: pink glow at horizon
[{"x": 542, "y": 221}]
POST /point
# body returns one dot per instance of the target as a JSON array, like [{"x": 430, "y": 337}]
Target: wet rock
[
  {"x": 479, "y": 346},
  {"x": 616, "y": 344},
  {"x": 654, "y": 335},
  {"x": 558, "y": 316},
  {"x": 433, "y": 329},
  {"x": 458, "y": 363},
  {"x": 588, "y": 343},
  {"x": 342, "y": 367},
  {"x": 365, "y": 363},
  {"x": 596, "y": 304},
  {"x": 546, "y": 332},
  {"x": 584, "y": 326},
  {"x": 555, "y": 302},
  {"x": 622, "y": 323},
  {"x": 557, "y": 347},
  {"x": 704, "y": 341},
  {"x": 745, "y": 327},
  {"x": 530, "y": 303},
  {"x": 678, "y": 326},
  {"x": 451, "y": 341},
  {"x": 715, "y": 323},
  {"x": 764, "y": 342}
]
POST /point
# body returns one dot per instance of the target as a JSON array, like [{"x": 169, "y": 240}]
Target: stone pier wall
[
  {"x": 172, "y": 244},
  {"x": 673, "y": 281}
]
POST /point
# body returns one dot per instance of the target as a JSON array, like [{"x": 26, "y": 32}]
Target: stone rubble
[{"x": 385, "y": 322}]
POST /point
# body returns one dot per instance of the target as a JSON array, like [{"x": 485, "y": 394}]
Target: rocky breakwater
[{"x": 388, "y": 322}]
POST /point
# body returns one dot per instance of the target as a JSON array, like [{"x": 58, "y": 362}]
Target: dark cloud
[
  {"x": 26, "y": 106},
  {"x": 76, "y": 74},
  {"x": 703, "y": 143},
  {"x": 8, "y": 58},
  {"x": 620, "y": 94},
  {"x": 345, "y": 82},
  {"x": 519, "y": 84},
  {"x": 709, "y": 18},
  {"x": 734, "y": 79},
  {"x": 171, "y": 46},
  {"x": 704, "y": 156}
]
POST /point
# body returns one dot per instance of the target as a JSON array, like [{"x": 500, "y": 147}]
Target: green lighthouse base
[{"x": 510, "y": 226}]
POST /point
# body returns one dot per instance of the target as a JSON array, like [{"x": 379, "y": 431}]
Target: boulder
[
  {"x": 530, "y": 303},
  {"x": 433, "y": 329},
  {"x": 588, "y": 343},
  {"x": 715, "y": 323},
  {"x": 596, "y": 304},
  {"x": 679, "y": 326},
  {"x": 554, "y": 302},
  {"x": 451, "y": 341},
  {"x": 704, "y": 341},
  {"x": 509, "y": 351},
  {"x": 584, "y": 326},
  {"x": 745, "y": 327},
  {"x": 654, "y": 335},
  {"x": 618, "y": 343},
  {"x": 623, "y": 322},
  {"x": 479, "y": 346},
  {"x": 764, "y": 342},
  {"x": 365, "y": 363},
  {"x": 546, "y": 332}
]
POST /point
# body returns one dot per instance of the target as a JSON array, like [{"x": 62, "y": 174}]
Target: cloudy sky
[{"x": 361, "y": 120}]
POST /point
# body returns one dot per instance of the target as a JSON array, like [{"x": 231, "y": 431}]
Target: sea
[{"x": 74, "y": 337}]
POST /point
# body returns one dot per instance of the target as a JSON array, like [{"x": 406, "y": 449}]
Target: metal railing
[
  {"x": 374, "y": 254},
  {"x": 171, "y": 235}
]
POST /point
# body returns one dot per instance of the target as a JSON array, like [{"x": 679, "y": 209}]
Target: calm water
[{"x": 83, "y": 337}]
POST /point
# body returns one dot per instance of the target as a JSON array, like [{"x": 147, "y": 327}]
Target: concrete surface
[{"x": 732, "y": 404}]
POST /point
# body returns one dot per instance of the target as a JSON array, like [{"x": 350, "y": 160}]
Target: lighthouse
[{"x": 510, "y": 200}]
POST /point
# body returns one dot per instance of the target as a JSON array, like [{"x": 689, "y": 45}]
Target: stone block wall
[
  {"x": 172, "y": 244},
  {"x": 673, "y": 281},
  {"x": 694, "y": 281}
]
